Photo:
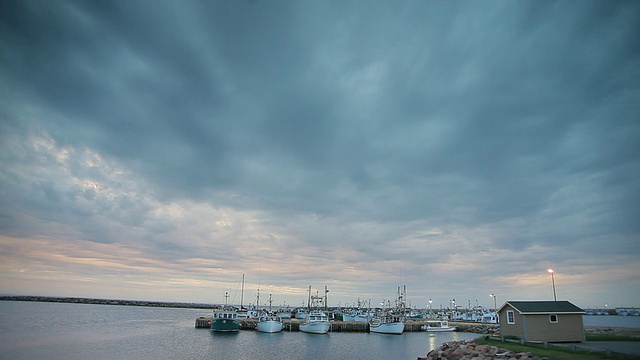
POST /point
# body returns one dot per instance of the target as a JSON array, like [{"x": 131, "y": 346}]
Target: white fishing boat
[
  {"x": 438, "y": 326},
  {"x": 390, "y": 320},
  {"x": 362, "y": 318},
  {"x": 301, "y": 314},
  {"x": 269, "y": 322},
  {"x": 347, "y": 317},
  {"x": 284, "y": 313},
  {"x": 490, "y": 318},
  {"x": 316, "y": 322},
  {"x": 387, "y": 324}
]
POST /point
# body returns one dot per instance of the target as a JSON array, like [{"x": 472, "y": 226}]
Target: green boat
[{"x": 225, "y": 320}]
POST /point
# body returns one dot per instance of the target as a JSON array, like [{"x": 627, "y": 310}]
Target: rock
[{"x": 463, "y": 350}]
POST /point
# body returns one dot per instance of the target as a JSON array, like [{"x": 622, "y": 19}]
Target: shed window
[
  {"x": 553, "y": 318},
  {"x": 511, "y": 318}
]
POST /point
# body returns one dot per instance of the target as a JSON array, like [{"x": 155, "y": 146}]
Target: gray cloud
[{"x": 308, "y": 127}]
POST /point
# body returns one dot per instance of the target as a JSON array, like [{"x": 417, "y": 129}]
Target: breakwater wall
[{"x": 74, "y": 300}]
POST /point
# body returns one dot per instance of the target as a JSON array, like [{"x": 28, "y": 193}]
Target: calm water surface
[{"x": 33, "y": 330}]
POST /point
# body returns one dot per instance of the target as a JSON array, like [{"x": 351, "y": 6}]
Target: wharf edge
[{"x": 336, "y": 326}]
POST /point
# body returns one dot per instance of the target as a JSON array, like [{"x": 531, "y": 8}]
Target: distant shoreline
[{"x": 78, "y": 300}]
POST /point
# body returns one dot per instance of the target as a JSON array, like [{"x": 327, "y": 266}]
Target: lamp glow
[{"x": 553, "y": 283}]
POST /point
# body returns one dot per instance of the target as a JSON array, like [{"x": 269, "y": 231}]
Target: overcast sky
[{"x": 159, "y": 150}]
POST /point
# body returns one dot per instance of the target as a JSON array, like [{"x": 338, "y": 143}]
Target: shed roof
[{"x": 543, "y": 307}]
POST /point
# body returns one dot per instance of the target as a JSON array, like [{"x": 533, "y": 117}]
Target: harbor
[{"x": 293, "y": 325}]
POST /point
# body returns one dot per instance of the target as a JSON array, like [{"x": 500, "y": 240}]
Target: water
[
  {"x": 33, "y": 330},
  {"x": 612, "y": 321}
]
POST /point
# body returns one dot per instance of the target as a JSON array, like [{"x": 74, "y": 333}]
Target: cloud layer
[{"x": 159, "y": 151}]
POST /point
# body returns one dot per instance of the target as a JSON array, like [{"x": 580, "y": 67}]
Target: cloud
[{"x": 431, "y": 143}]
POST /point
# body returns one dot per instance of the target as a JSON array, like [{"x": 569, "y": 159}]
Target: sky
[{"x": 160, "y": 150}]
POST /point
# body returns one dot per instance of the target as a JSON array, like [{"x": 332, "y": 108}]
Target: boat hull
[
  {"x": 225, "y": 325},
  {"x": 321, "y": 327},
  {"x": 270, "y": 326},
  {"x": 438, "y": 329},
  {"x": 395, "y": 328}
]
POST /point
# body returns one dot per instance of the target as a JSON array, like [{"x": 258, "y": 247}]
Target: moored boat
[
  {"x": 387, "y": 324},
  {"x": 301, "y": 314},
  {"x": 316, "y": 322},
  {"x": 269, "y": 322},
  {"x": 490, "y": 318},
  {"x": 390, "y": 320},
  {"x": 438, "y": 326},
  {"x": 225, "y": 320},
  {"x": 284, "y": 313}
]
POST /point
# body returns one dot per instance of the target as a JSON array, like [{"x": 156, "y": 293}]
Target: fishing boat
[
  {"x": 301, "y": 314},
  {"x": 390, "y": 321},
  {"x": 316, "y": 322},
  {"x": 225, "y": 320},
  {"x": 363, "y": 316},
  {"x": 284, "y": 313},
  {"x": 387, "y": 324},
  {"x": 269, "y": 322},
  {"x": 438, "y": 326},
  {"x": 490, "y": 318}
]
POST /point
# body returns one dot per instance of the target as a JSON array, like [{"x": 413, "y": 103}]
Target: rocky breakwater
[
  {"x": 467, "y": 350},
  {"x": 478, "y": 328}
]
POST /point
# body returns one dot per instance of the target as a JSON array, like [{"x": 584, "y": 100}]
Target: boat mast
[
  {"x": 309, "y": 299},
  {"x": 242, "y": 293}
]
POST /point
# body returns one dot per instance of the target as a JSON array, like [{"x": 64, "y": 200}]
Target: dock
[{"x": 294, "y": 325}]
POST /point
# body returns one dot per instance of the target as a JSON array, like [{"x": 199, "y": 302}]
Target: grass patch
[{"x": 552, "y": 353}]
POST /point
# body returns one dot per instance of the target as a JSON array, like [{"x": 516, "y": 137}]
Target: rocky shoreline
[{"x": 457, "y": 350}]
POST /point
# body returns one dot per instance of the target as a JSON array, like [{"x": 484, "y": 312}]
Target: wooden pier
[{"x": 294, "y": 325}]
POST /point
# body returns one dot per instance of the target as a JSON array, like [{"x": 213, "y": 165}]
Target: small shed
[{"x": 541, "y": 321}]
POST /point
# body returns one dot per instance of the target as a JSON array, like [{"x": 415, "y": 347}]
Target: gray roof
[{"x": 544, "y": 307}]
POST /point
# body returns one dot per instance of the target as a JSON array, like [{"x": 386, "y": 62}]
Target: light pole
[
  {"x": 495, "y": 306},
  {"x": 553, "y": 282}
]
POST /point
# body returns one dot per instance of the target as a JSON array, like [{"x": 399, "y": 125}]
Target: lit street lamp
[
  {"x": 495, "y": 306},
  {"x": 553, "y": 282}
]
